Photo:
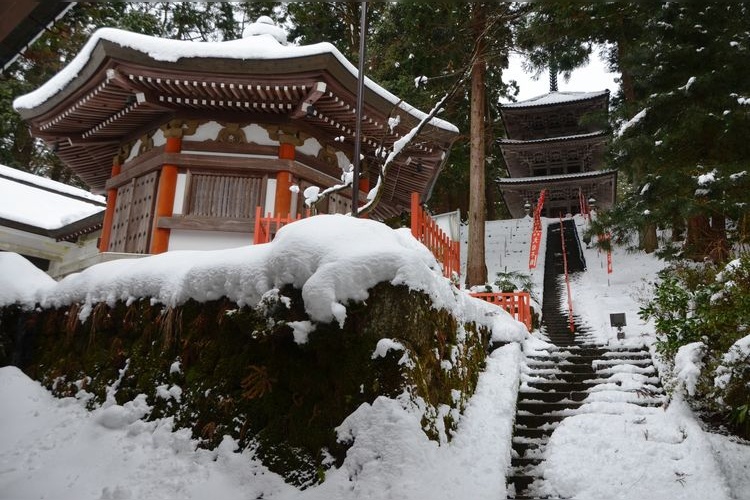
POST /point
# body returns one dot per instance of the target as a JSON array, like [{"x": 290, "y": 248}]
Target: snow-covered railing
[
  {"x": 266, "y": 227},
  {"x": 426, "y": 230},
  {"x": 517, "y": 304}
]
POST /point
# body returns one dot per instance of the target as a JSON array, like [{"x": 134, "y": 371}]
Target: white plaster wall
[
  {"x": 181, "y": 239},
  {"x": 179, "y": 195},
  {"x": 311, "y": 147},
  {"x": 205, "y": 132},
  {"x": 159, "y": 139},
  {"x": 344, "y": 161},
  {"x": 257, "y": 134}
]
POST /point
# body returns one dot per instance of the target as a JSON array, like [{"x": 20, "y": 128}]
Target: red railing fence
[
  {"x": 266, "y": 227},
  {"x": 517, "y": 304},
  {"x": 571, "y": 325},
  {"x": 424, "y": 229}
]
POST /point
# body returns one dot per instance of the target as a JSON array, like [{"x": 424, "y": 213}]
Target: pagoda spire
[{"x": 553, "y": 68}]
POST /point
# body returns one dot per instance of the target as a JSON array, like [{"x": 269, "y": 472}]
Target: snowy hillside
[{"x": 51, "y": 448}]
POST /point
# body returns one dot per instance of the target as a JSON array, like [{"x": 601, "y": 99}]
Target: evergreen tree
[{"x": 687, "y": 151}]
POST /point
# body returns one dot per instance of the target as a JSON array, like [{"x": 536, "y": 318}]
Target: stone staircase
[{"x": 561, "y": 379}]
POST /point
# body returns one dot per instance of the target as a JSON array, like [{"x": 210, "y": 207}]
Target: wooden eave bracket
[{"x": 315, "y": 93}]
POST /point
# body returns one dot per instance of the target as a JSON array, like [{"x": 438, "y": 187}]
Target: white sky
[{"x": 594, "y": 76}]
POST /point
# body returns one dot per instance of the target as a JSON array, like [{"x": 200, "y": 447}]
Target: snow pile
[
  {"x": 645, "y": 455},
  {"x": 20, "y": 279},
  {"x": 688, "y": 364},
  {"x": 331, "y": 258},
  {"x": 265, "y": 26},
  {"x": 51, "y": 448},
  {"x": 739, "y": 352}
]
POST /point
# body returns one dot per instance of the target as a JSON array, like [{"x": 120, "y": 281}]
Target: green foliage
[{"x": 710, "y": 304}]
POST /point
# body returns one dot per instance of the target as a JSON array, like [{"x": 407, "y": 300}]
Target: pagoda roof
[
  {"x": 548, "y": 179},
  {"x": 602, "y": 184},
  {"x": 123, "y": 84},
  {"x": 557, "y": 98},
  {"x": 549, "y": 140}
]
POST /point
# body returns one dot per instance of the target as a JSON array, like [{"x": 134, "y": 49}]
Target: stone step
[
  {"x": 562, "y": 366},
  {"x": 521, "y": 482},
  {"x": 523, "y": 432},
  {"x": 552, "y": 397},
  {"x": 524, "y": 465},
  {"x": 538, "y": 421},
  {"x": 544, "y": 407},
  {"x": 559, "y": 387},
  {"x": 578, "y": 358},
  {"x": 565, "y": 377}
]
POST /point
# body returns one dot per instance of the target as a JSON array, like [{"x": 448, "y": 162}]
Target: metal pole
[{"x": 358, "y": 115}]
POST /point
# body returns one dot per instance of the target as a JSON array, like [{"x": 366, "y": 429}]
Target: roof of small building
[
  {"x": 555, "y": 98},
  {"x": 43, "y": 206},
  {"x": 123, "y": 85}
]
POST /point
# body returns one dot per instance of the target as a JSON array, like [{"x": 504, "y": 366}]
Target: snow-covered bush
[{"x": 708, "y": 305}]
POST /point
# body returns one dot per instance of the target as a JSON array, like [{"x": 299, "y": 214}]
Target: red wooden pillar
[
  {"x": 109, "y": 213},
  {"x": 283, "y": 200},
  {"x": 165, "y": 197}
]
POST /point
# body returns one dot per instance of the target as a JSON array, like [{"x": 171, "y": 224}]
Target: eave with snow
[
  {"x": 556, "y": 142},
  {"x": 187, "y": 138},
  {"x": 54, "y": 225}
]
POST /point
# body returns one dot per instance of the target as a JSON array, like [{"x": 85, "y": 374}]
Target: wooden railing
[
  {"x": 571, "y": 324},
  {"x": 517, "y": 304},
  {"x": 424, "y": 229},
  {"x": 536, "y": 232},
  {"x": 266, "y": 227}
]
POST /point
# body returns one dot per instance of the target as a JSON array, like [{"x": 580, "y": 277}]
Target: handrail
[
  {"x": 571, "y": 326},
  {"x": 267, "y": 227},
  {"x": 517, "y": 304},
  {"x": 426, "y": 230},
  {"x": 536, "y": 232}
]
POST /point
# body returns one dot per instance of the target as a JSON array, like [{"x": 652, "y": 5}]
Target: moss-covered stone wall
[{"x": 220, "y": 369}]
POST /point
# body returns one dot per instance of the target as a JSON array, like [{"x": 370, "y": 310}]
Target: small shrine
[
  {"x": 557, "y": 142},
  {"x": 186, "y": 139}
]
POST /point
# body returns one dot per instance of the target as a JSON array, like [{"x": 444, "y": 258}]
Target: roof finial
[{"x": 553, "y": 68}]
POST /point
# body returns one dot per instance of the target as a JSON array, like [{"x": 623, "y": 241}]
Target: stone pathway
[{"x": 561, "y": 380}]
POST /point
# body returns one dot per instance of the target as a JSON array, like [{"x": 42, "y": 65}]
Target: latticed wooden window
[{"x": 223, "y": 196}]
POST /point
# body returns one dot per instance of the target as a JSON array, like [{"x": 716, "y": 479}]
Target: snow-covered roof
[
  {"x": 590, "y": 135},
  {"x": 556, "y": 178},
  {"x": 43, "y": 203},
  {"x": 262, "y": 46},
  {"x": 558, "y": 97}
]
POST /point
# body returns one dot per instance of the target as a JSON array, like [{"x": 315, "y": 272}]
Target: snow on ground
[
  {"x": 597, "y": 294},
  {"x": 55, "y": 448},
  {"x": 51, "y": 448},
  {"x": 641, "y": 453}
]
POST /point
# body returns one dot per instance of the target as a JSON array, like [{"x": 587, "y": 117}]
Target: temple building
[
  {"x": 186, "y": 139},
  {"x": 557, "y": 142}
]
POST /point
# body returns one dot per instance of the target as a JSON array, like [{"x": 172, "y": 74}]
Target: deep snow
[{"x": 52, "y": 448}]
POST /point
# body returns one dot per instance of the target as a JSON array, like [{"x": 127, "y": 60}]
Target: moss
[{"x": 243, "y": 375}]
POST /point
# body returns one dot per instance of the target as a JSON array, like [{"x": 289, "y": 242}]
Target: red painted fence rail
[
  {"x": 517, "y": 304},
  {"x": 266, "y": 227},
  {"x": 424, "y": 229}
]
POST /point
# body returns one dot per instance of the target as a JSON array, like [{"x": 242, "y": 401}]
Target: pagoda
[
  {"x": 186, "y": 139},
  {"x": 557, "y": 142}
]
